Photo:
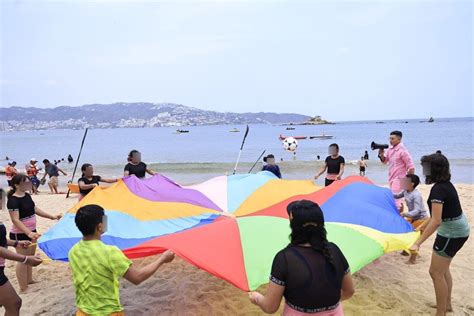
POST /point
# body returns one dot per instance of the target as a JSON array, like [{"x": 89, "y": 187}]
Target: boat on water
[
  {"x": 290, "y": 128},
  {"x": 281, "y": 137},
  {"x": 234, "y": 130},
  {"x": 431, "y": 120},
  {"x": 181, "y": 131},
  {"x": 321, "y": 137}
]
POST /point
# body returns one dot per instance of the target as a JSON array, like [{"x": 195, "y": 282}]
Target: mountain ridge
[{"x": 131, "y": 114}]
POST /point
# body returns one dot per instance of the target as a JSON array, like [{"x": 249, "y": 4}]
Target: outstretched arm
[
  {"x": 137, "y": 276},
  {"x": 108, "y": 180},
  {"x": 42, "y": 213}
]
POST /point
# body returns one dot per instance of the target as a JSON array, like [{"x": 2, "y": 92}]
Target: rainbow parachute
[{"x": 232, "y": 226}]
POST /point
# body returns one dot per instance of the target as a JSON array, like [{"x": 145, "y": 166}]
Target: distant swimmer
[
  {"x": 366, "y": 155},
  {"x": 70, "y": 159}
]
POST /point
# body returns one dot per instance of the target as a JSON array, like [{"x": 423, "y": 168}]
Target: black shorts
[
  {"x": 9, "y": 183},
  {"x": 328, "y": 182},
  {"x": 20, "y": 236},
  {"x": 3, "y": 277},
  {"x": 362, "y": 169},
  {"x": 448, "y": 247}
]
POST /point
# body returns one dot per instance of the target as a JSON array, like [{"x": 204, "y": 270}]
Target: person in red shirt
[
  {"x": 32, "y": 173},
  {"x": 10, "y": 172}
]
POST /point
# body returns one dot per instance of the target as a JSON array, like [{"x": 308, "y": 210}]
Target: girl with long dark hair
[{"x": 311, "y": 273}]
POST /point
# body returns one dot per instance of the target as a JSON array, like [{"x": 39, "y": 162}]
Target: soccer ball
[{"x": 290, "y": 144}]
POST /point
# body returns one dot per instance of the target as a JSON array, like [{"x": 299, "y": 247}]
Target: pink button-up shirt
[{"x": 399, "y": 160}]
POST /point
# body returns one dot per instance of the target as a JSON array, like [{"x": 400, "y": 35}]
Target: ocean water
[{"x": 208, "y": 151}]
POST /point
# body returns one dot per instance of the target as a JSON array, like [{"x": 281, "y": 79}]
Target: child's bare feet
[
  {"x": 448, "y": 310},
  {"x": 412, "y": 259},
  {"x": 25, "y": 290}
]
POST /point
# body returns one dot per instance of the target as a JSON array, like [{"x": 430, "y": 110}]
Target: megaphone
[{"x": 375, "y": 146}]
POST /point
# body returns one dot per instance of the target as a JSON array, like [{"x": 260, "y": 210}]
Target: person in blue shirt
[{"x": 271, "y": 166}]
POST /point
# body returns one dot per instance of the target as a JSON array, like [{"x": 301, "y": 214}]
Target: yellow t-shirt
[{"x": 96, "y": 269}]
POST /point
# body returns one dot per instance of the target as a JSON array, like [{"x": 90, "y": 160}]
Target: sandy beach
[{"x": 385, "y": 287}]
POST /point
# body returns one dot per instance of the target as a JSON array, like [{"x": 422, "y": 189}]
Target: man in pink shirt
[{"x": 400, "y": 163}]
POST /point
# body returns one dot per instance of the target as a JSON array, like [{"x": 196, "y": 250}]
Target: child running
[{"x": 97, "y": 267}]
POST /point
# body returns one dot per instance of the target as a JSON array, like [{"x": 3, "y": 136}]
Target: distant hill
[{"x": 118, "y": 115}]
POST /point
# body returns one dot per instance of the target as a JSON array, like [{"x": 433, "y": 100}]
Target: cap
[{"x": 33, "y": 159}]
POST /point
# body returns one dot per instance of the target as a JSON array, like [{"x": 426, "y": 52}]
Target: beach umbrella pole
[
  {"x": 77, "y": 161},
  {"x": 241, "y": 147},
  {"x": 258, "y": 159}
]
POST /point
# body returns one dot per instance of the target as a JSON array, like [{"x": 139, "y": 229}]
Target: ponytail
[
  {"x": 320, "y": 243},
  {"x": 307, "y": 226}
]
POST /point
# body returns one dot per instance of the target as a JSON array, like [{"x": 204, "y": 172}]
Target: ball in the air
[{"x": 290, "y": 144}]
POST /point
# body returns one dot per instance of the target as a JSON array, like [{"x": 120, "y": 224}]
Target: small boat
[
  {"x": 321, "y": 137},
  {"x": 234, "y": 130},
  {"x": 431, "y": 120},
  {"x": 281, "y": 137},
  {"x": 181, "y": 131},
  {"x": 290, "y": 128}
]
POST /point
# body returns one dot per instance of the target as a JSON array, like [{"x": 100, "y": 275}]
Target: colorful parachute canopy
[{"x": 233, "y": 226}]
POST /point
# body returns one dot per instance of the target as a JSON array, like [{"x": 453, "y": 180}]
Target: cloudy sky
[{"x": 343, "y": 60}]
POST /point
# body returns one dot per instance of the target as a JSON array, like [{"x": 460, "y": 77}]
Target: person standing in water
[
  {"x": 135, "y": 166},
  {"x": 362, "y": 166},
  {"x": 366, "y": 155},
  {"x": 89, "y": 181},
  {"x": 334, "y": 164}
]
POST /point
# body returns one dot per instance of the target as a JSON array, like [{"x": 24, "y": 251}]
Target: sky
[{"x": 343, "y": 60}]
